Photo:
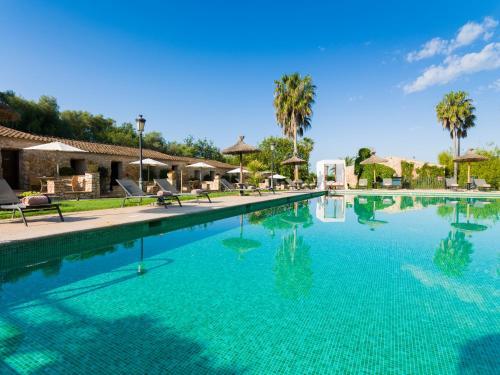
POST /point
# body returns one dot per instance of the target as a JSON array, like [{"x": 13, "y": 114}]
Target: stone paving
[{"x": 49, "y": 225}]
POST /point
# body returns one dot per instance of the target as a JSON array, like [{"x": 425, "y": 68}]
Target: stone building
[{"x": 23, "y": 168}]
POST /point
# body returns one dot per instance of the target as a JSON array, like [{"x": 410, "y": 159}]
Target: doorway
[
  {"x": 10, "y": 167},
  {"x": 116, "y": 169}
]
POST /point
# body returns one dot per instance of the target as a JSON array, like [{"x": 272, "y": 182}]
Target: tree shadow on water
[
  {"x": 131, "y": 345},
  {"x": 481, "y": 356}
]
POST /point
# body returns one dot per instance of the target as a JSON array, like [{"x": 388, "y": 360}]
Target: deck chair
[
  {"x": 241, "y": 188},
  {"x": 451, "y": 183},
  {"x": 132, "y": 191},
  {"x": 10, "y": 202},
  {"x": 166, "y": 187},
  {"x": 363, "y": 183},
  {"x": 481, "y": 184},
  {"x": 387, "y": 183}
]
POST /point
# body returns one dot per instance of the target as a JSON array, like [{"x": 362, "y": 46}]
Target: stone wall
[{"x": 34, "y": 164}]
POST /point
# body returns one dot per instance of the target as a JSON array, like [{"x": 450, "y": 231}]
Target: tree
[
  {"x": 349, "y": 160},
  {"x": 363, "y": 153},
  {"x": 293, "y": 101},
  {"x": 456, "y": 114}
]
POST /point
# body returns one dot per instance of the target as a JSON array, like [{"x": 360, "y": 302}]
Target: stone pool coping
[{"x": 14, "y": 234}]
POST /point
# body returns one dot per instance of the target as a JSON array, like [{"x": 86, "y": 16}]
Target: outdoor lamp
[{"x": 140, "y": 121}]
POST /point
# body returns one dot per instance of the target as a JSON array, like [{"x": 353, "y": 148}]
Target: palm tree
[
  {"x": 293, "y": 100},
  {"x": 456, "y": 113}
]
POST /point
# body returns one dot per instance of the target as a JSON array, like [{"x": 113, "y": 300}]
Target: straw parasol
[
  {"x": 150, "y": 163},
  {"x": 469, "y": 157},
  {"x": 373, "y": 160},
  {"x": 57, "y": 147},
  {"x": 294, "y": 160},
  {"x": 240, "y": 148},
  {"x": 7, "y": 113}
]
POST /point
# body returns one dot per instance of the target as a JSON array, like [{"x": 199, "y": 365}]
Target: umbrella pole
[
  {"x": 241, "y": 168},
  {"x": 468, "y": 173},
  {"x": 374, "y": 176}
]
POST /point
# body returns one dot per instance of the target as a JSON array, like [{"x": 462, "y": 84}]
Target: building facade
[{"x": 23, "y": 168}]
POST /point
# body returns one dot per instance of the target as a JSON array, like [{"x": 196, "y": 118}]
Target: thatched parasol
[
  {"x": 294, "y": 160},
  {"x": 7, "y": 113},
  {"x": 240, "y": 148},
  {"x": 469, "y": 157},
  {"x": 374, "y": 159}
]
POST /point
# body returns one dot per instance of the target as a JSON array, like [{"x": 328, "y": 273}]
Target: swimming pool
[{"x": 343, "y": 284}]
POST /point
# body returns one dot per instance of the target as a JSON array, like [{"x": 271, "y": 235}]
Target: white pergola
[{"x": 337, "y": 167}]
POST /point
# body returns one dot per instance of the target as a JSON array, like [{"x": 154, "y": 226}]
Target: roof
[{"x": 103, "y": 148}]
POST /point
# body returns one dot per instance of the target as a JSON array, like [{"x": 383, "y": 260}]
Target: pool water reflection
[{"x": 343, "y": 284}]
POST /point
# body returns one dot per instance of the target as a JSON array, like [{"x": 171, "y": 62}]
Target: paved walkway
[{"x": 49, "y": 225}]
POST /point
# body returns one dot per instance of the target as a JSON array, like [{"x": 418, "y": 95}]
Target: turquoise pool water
[{"x": 334, "y": 285}]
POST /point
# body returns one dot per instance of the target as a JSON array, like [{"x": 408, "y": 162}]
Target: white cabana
[
  {"x": 331, "y": 209},
  {"x": 335, "y": 168}
]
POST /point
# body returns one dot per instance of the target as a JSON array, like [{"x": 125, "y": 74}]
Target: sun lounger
[
  {"x": 10, "y": 202},
  {"x": 481, "y": 184},
  {"x": 451, "y": 184},
  {"x": 166, "y": 188},
  {"x": 132, "y": 191},
  {"x": 241, "y": 188},
  {"x": 387, "y": 183},
  {"x": 362, "y": 183}
]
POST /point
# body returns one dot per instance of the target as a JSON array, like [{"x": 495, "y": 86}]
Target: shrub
[
  {"x": 406, "y": 173},
  {"x": 382, "y": 171},
  {"x": 30, "y": 193}
]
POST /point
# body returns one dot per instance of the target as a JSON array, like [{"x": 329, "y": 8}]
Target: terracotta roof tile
[{"x": 102, "y": 148}]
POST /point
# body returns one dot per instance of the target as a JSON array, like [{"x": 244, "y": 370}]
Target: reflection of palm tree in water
[
  {"x": 293, "y": 269},
  {"x": 452, "y": 255},
  {"x": 240, "y": 244}
]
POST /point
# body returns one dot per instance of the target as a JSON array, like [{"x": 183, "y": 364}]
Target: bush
[
  {"x": 66, "y": 171},
  {"x": 382, "y": 171},
  {"x": 30, "y": 193},
  {"x": 406, "y": 173}
]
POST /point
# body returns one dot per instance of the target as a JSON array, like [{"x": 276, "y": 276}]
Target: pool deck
[{"x": 49, "y": 225}]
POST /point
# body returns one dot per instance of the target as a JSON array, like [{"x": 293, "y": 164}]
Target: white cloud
[
  {"x": 495, "y": 85},
  {"x": 433, "y": 47},
  {"x": 455, "y": 66},
  {"x": 466, "y": 35}
]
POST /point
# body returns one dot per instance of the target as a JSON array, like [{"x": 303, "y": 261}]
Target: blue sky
[{"x": 208, "y": 68}]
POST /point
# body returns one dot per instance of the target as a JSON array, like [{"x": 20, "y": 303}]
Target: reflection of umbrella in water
[
  {"x": 467, "y": 228},
  {"x": 372, "y": 223},
  {"x": 239, "y": 244},
  {"x": 367, "y": 216},
  {"x": 141, "y": 270}
]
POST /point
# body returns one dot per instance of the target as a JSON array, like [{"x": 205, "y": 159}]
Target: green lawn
[{"x": 103, "y": 203}]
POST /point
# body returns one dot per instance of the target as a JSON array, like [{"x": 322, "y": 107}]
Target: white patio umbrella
[
  {"x": 57, "y": 147},
  {"x": 200, "y": 165},
  {"x": 278, "y": 177},
  {"x": 237, "y": 171},
  {"x": 150, "y": 163}
]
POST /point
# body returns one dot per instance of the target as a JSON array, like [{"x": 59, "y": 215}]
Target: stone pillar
[
  {"x": 172, "y": 178},
  {"x": 216, "y": 184},
  {"x": 92, "y": 184}
]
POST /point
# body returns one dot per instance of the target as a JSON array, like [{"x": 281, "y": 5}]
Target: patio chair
[
  {"x": 481, "y": 184},
  {"x": 242, "y": 188},
  {"x": 451, "y": 184},
  {"x": 166, "y": 188},
  {"x": 132, "y": 191},
  {"x": 10, "y": 202},
  {"x": 363, "y": 183},
  {"x": 387, "y": 183}
]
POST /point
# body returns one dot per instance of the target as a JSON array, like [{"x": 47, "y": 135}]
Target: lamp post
[
  {"x": 140, "y": 122},
  {"x": 272, "y": 165}
]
